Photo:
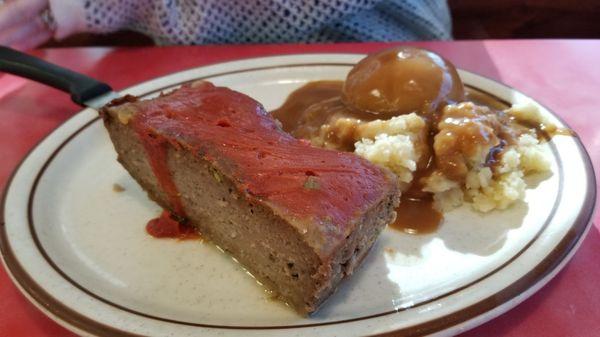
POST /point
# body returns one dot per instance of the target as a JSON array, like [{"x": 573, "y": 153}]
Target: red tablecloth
[{"x": 563, "y": 75}]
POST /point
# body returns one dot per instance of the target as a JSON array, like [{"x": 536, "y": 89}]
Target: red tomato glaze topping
[
  {"x": 165, "y": 226},
  {"x": 235, "y": 133}
]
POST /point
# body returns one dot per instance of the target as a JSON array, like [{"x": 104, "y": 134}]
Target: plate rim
[{"x": 583, "y": 219}]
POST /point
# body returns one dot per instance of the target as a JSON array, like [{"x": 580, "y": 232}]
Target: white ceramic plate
[{"x": 78, "y": 250}]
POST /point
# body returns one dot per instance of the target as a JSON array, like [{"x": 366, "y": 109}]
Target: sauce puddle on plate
[
  {"x": 417, "y": 216},
  {"x": 166, "y": 226}
]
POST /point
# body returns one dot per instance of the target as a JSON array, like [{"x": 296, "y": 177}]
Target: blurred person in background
[{"x": 26, "y": 24}]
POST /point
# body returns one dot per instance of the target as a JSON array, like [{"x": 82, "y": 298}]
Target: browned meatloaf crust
[{"x": 299, "y": 218}]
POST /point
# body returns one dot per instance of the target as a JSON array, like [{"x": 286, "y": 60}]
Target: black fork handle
[{"x": 81, "y": 87}]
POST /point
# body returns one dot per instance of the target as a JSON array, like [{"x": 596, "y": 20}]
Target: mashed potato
[
  {"x": 395, "y": 144},
  {"x": 395, "y": 152}
]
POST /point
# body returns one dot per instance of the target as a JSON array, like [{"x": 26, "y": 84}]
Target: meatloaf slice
[{"x": 299, "y": 218}]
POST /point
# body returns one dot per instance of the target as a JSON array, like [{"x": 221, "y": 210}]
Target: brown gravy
[
  {"x": 402, "y": 80},
  {"x": 417, "y": 216},
  {"x": 292, "y": 110},
  {"x": 464, "y": 129},
  {"x": 545, "y": 132},
  {"x": 416, "y": 213},
  {"x": 312, "y": 106},
  {"x": 317, "y": 113}
]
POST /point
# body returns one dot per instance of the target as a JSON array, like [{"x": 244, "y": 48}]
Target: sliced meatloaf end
[{"x": 299, "y": 218}]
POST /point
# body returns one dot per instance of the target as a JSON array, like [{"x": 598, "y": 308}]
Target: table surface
[{"x": 562, "y": 74}]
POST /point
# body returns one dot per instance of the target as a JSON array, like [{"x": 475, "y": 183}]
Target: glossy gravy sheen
[
  {"x": 543, "y": 131},
  {"x": 290, "y": 113},
  {"x": 417, "y": 216},
  {"x": 312, "y": 106},
  {"x": 309, "y": 111},
  {"x": 401, "y": 80},
  {"x": 416, "y": 213}
]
